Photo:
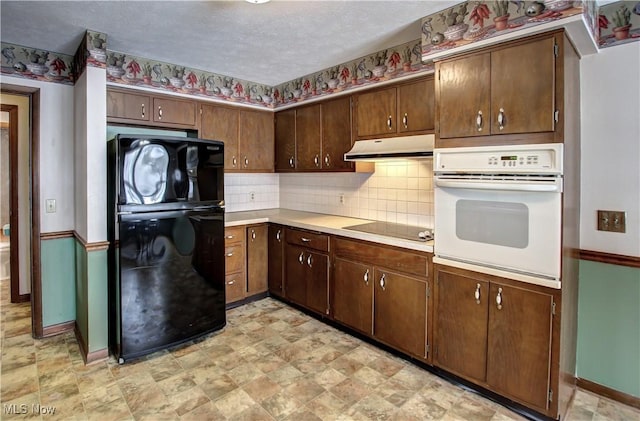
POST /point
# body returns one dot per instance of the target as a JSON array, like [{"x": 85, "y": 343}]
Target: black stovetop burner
[{"x": 391, "y": 229}]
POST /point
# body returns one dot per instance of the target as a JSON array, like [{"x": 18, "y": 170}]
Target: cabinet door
[
  {"x": 353, "y": 294},
  {"x": 257, "y": 259},
  {"x": 375, "y": 113},
  {"x": 523, "y": 87},
  {"x": 336, "y": 134},
  {"x": 460, "y": 324},
  {"x": 416, "y": 106},
  {"x": 464, "y": 96},
  {"x": 276, "y": 260},
  {"x": 174, "y": 111},
  {"x": 256, "y": 140},
  {"x": 518, "y": 362},
  {"x": 285, "y": 122},
  {"x": 308, "y": 137},
  {"x": 296, "y": 274},
  {"x": 400, "y": 311},
  {"x": 221, "y": 123},
  {"x": 317, "y": 282},
  {"x": 128, "y": 106}
]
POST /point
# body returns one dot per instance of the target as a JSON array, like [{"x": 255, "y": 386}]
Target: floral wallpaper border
[
  {"x": 465, "y": 24},
  {"x": 36, "y": 64},
  {"x": 402, "y": 60},
  {"x": 612, "y": 24}
]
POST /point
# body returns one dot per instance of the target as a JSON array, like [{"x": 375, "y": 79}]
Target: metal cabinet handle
[
  {"x": 390, "y": 123},
  {"x": 231, "y": 282},
  {"x": 477, "y": 294},
  {"x": 382, "y": 282},
  {"x": 246, "y": 162},
  {"x": 316, "y": 160},
  {"x": 234, "y": 161},
  {"x": 479, "y": 120},
  {"x": 301, "y": 258},
  {"x": 501, "y": 119},
  {"x": 159, "y": 112},
  {"x": 142, "y": 105},
  {"x": 291, "y": 162},
  {"x": 499, "y": 299},
  {"x": 253, "y": 234},
  {"x": 229, "y": 237},
  {"x": 327, "y": 160},
  {"x": 405, "y": 121},
  {"x": 229, "y": 254},
  {"x": 278, "y": 236},
  {"x": 310, "y": 260},
  {"x": 366, "y": 277},
  {"x": 305, "y": 240}
]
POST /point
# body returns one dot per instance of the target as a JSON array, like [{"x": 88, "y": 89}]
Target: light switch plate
[
  {"x": 51, "y": 205},
  {"x": 612, "y": 221}
]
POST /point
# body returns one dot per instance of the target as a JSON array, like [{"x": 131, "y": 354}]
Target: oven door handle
[{"x": 554, "y": 186}]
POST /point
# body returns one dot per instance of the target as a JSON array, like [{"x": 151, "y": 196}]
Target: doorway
[{"x": 22, "y": 106}]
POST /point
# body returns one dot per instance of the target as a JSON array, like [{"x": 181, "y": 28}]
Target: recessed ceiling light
[{"x": 257, "y": 1}]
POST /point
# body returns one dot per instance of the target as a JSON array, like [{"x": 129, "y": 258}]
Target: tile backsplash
[
  {"x": 245, "y": 192},
  {"x": 398, "y": 191}
]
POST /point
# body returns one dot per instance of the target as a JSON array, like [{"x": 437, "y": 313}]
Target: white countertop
[{"x": 330, "y": 224}]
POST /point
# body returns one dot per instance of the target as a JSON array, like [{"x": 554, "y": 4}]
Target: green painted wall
[
  {"x": 91, "y": 297},
  {"x": 58, "y": 281},
  {"x": 609, "y": 326}
]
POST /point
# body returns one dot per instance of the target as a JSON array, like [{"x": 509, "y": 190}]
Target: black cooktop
[{"x": 391, "y": 229}]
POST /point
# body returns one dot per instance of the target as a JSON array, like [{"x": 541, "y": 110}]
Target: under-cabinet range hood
[{"x": 407, "y": 147}]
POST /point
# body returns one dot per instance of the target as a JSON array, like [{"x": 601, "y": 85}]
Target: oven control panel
[{"x": 530, "y": 159}]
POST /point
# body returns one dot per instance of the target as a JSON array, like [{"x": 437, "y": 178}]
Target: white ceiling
[{"x": 267, "y": 43}]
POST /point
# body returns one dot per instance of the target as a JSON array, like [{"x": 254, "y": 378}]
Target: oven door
[{"x": 507, "y": 229}]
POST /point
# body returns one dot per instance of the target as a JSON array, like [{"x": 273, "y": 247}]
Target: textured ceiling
[{"x": 267, "y": 43}]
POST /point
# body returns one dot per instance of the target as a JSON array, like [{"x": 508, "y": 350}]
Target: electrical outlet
[
  {"x": 613, "y": 221},
  {"x": 51, "y": 205},
  {"x": 342, "y": 198},
  {"x": 252, "y": 196}
]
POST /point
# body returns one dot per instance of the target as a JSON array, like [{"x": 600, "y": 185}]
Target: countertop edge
[{"x": 296, "y": 219}]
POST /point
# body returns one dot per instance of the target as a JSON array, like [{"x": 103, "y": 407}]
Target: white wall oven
[{"x": 498, "y": 210}]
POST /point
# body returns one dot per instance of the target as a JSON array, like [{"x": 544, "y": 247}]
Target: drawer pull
[
  {"x": 477, "y": 294},
  {"x": 229, "y": 254},
  {"x": 231, "y": 282},
  {"x": 229, "y": 237},
  {"x": 305, "y": 240},
  {"x": 499, "y": 299}
]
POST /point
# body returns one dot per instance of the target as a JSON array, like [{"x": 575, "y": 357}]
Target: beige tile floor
[{"x": 271, "y": 362}]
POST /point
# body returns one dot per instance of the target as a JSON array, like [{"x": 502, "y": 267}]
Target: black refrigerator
[{"x": 166, "y": 234}]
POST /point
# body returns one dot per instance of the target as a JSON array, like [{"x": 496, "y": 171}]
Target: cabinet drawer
[
  {"x": 234, "y": 258},
  {"x": 307, "y": 239},
  {"x": 234, "y": 287},
  {"x": 413, "y": 263},
  {"x": 233, "y": 235}
]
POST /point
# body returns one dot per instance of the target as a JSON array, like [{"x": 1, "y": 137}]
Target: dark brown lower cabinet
[
  {"x": 353, "y": 297},
  {"x": 400, "y": 309},
  {"x": 307, "y": 278},
  {"x": 495, "y": 332},
  {"x": 276, "y": 260},
  {"x": 385, "y": 304},
  {"x": 257, "y": 255}
]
